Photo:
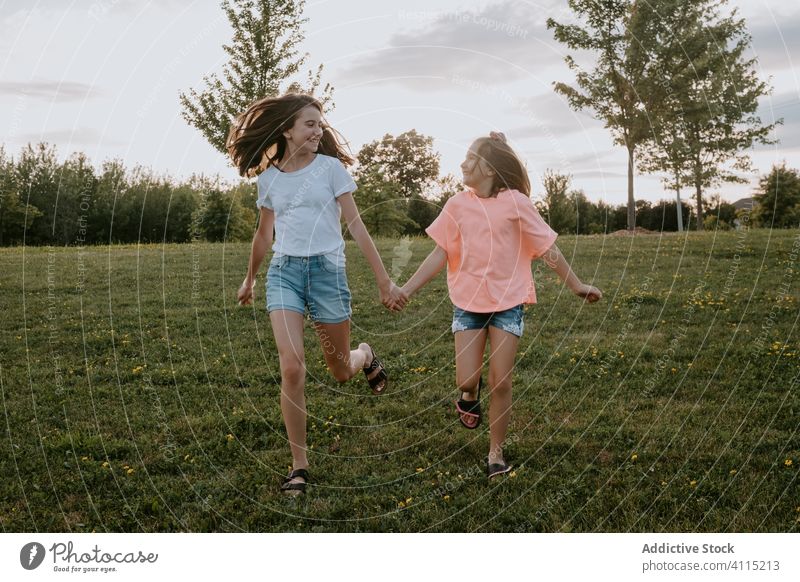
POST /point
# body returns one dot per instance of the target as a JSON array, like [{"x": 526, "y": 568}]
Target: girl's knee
[
  {"x": 293, "y": 371},
  {"x": 500, "y": 387}
]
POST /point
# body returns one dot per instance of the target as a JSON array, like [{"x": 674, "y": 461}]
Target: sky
[{"x": 104, "y": 76}]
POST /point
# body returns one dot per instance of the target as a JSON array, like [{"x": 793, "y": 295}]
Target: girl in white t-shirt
[{"x": 303, "y": 190}]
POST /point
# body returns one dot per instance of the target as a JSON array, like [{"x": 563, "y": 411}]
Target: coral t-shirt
[{"x": 490, "y": 243}]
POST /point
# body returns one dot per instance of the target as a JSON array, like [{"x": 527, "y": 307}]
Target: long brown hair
[
  {"x": 509, "y": 171},
  {"x": 256, "y": 140}
]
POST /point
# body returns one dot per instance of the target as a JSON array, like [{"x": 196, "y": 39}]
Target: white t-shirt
[{"x": 307, "y": 216}]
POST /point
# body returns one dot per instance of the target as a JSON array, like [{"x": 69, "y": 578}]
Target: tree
[
  {"x": 380, "y": 204},
  {"x": 36, "y": 174},
  {"x": 408, "y": 160},
  {"x": 674, "y": 47},
  {"x": 74, "y": 198},
  {"x": 708, "y": 117},
  {"x": 15, "y": 216},
  {"x": 556, "y": 203},
  {"x": 221, "y": 217},
  {"x": 779, "y": 198},
  {"x": 263, "y": 54},
  {"x": 621, "y": 88},
  {"x": 111, "y": 185}
]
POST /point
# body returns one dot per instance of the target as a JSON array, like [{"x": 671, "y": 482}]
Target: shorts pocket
[
  {"x": 278, "y": 262},
  {"x": 329, "y": 266}
]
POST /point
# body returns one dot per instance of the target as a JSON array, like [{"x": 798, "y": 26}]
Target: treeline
[{"x": 44, "y": 201}]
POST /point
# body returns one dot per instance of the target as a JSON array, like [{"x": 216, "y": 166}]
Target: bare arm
[
  {"x": 554, "y": 259},
  {"x": 262, "y": 240},
  {"x": 429, "y": 268},
  {"x": 389, "y": 292}
]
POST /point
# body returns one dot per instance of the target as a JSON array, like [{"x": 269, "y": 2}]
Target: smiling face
[
  {"x": 303, "y": 137},
  {"x": 476, "y": 172}
]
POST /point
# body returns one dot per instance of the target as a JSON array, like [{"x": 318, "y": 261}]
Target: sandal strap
[
  {"x": 293, "y": 487},
  {"x": 498, "y": 469},
  {"x": 301, "y": 473},
  {"x": 374, "y": 364},
  {"x": 471, "y": 407}
]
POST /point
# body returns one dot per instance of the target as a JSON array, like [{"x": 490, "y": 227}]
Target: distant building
[{"x": 745, "y": 203}]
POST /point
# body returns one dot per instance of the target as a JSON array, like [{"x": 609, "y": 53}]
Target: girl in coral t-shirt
[{"x": 488, "y": 235}]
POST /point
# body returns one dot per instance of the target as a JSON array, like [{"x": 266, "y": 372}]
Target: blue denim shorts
[
  {"x": 313, "y": 283},
  {"x": 509, "y": 320}
]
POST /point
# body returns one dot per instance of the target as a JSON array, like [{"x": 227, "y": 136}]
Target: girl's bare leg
[
  {"x": 287, "y": 326},
  {"x": 470, "y": 345},
  {"x": 343, "y": 362},
  {"x": 502, "y": 352}
]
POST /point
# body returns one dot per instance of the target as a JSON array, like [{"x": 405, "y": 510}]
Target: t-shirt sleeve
[
  {"x": 444, "y": 230},
  {"x": 341, "y": 180},
  {"x": 537, "y": 236},
  {"x": 263, "y": 200}
]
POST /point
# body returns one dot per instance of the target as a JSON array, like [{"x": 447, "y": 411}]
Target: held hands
[
  {"x": 393, "y": 298},
  {"x": 245, "y": 294},
  {"x": 589, "y": 293}
]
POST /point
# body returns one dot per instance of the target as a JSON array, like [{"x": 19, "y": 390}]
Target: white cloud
[
  {"x": 70, "y": 139},
  {"x": 774, "y": 42},
  {"x": 499, "y": 43},
  {"x": 52, "y": 91}
]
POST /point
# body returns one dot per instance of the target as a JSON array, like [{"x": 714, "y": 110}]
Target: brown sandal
[{"x": 380, "y": 377}]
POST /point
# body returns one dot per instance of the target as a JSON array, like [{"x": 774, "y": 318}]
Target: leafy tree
[
  {"x": 674, "y": 48},
  {"x": 221, "y": 217},
  {"x": 111, "y": 184},
  {"x": 15, "y": 216},
  {"x": 779, "y": 198},
  {"x": 707, "y": 120},
  {"x": 621, "y": 89},
  {"x": 380, "y": 204},
  {"x": 36, "y": 178},
  {"x": 408, "y": 160},
  {"x": 262, "y": 55},
  {"x": 556, "y": 204},
  {"x": 76, "y": 187}
]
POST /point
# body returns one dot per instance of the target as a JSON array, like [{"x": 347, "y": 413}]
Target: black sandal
[
  {"x": 381, "y": 376},
  {"x": 495, "y": 469},
  {"x": 295, "y": 488},
  {"x": 470, "y": 409}
]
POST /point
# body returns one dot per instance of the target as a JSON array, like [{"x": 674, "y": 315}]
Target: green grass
[{"x": 137, "y": 397}]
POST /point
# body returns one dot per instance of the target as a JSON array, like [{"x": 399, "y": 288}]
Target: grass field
[{"x": 136, "y": 396}]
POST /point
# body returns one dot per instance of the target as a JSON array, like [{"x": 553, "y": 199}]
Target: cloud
[
  {"x": 786, "y": 106},
  {"x": 84, "y": 136},
  {"x": 500, "y": 43},
  {"x": 775, "y": 42},
  {"x": 552, "y": 117},
  {"x": 60, "y": 91}
]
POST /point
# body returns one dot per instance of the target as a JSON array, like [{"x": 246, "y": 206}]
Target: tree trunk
[
  {"x": 680, "y": 208},
  {"x": 631, "y": 201},
  {"x": 699, "y": 205}
]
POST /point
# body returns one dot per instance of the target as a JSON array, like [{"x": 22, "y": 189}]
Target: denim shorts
[
  {"x": 313, "y": 283},
  {"x": 509, "y": 320}
]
